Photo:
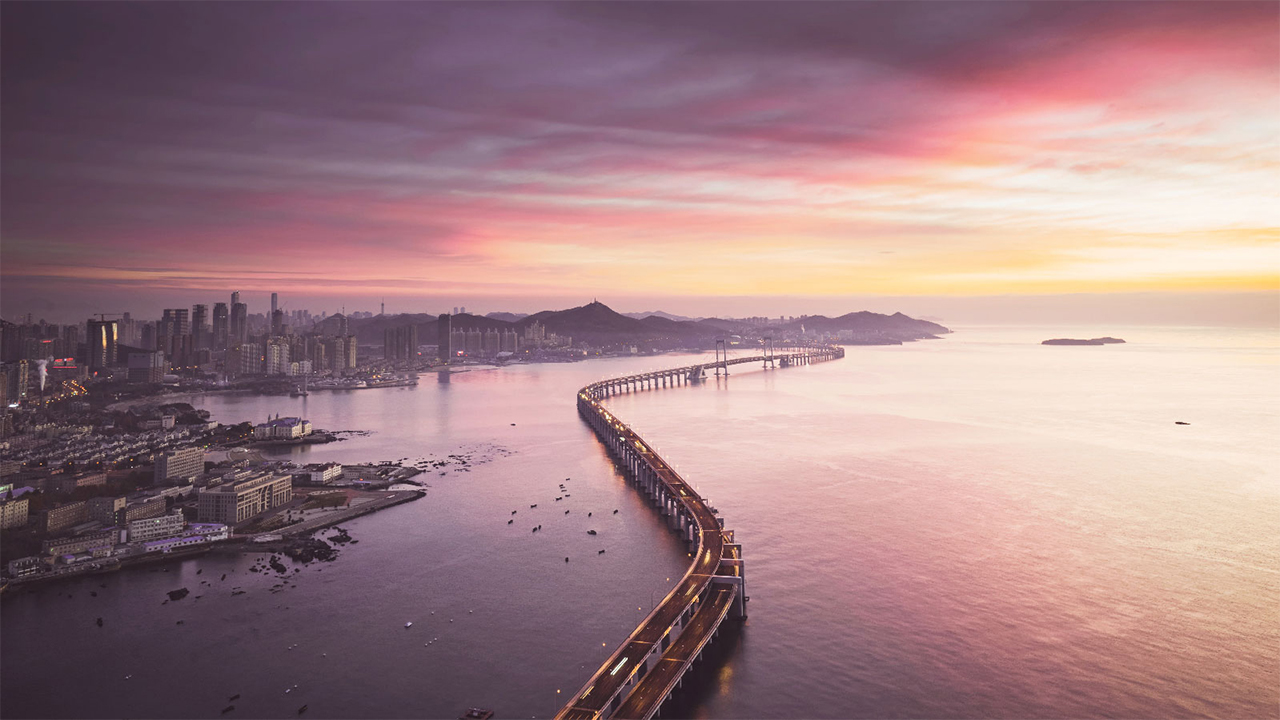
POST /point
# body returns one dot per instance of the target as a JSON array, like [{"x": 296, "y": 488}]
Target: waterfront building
[
  {"x": 400, "y": 344},
  {"x": 23, "y": 567},
  {"x": 103, "y": 335},
  {"x": 473, "y": 342},
  {"x": 491, "y": 345},
  {"x": 161, "y": 526},
  {"x": 337, "y": 354},
  {"x": 195, "y": 534},
  {"x": 289, "y": 428},
  {"x": 245, "y": 359},
  {"x": 99, "y": 543},
  {"x": 105, "y": 509},
  {"x": 277, "y": 356},
  {"x": 352, "y": 348},
  {"x": 444, "y": 335},
  {"x": 147, "y": 367},
  {"x": 182, "y": 465},
  {"x": 510, "y": 341},
  {"x": 238, "y": 501},
  {"x": 13, "y": 513},
  {"x": 64, "y": 516},
  {"x": 302, "y": 367}
]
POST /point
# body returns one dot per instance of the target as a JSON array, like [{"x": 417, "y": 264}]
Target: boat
[
  {"x": 476, "y": 714},
  {"x": 408, "y": 625}
]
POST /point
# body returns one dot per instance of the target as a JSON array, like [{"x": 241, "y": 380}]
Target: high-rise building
[
  {"x": 510, "y": 341},
  {"x": 275, "y": 299},
  {"x": 71, "y": 340},
  {"x": 319, "y": 360},
  {"x": 245, "y": 359},
  {"x": 444, "y": 335},
  {"x": 400, "y": 344},
  {"x": 219, "y": 326},
  {"x": 176, "y": 322},
  {"x": 277, "y": 357},
  {"x": 352, "y": 349},
  {"x": 235, "y": 297},
  {"x": 277, "y": 320},
  {"x": 146, "y": 367},
  {"x": 102, "y": 344},
  {"x": 239, "y": 325},
  {"x": 200, "y": 327},
  {"x": 492, "y": 343}
]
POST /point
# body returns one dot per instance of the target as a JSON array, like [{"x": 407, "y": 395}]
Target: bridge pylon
[
  {"x": 722, "y": 358},
  {"x": 769, "y": 353}
]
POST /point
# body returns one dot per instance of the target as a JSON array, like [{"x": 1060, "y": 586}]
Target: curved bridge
[{"x": 648, "y": 666}]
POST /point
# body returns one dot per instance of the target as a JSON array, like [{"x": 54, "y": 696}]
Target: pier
[{"x": 642, "y": 673}]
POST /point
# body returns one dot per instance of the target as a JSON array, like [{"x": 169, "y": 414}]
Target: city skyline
[{"x": 941, "y": 160}]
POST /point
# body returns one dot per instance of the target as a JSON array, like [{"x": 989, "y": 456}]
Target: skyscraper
[
  {"x": 277, "y": 320},
  {"x": 102, "y": 344},
  {"x": 200, "y": 326},
  {"x": 239, "y": 325},
  {"x": 174, "y": 327},
  {"x": 400, "y": 344},
  {"x": 444, "y": 329},
  {"x": 235, "y": 298},
  {"x": 219, "y": 326},
  {"x": 71, "y": 339},
  {"x": 275, "y": 298}
]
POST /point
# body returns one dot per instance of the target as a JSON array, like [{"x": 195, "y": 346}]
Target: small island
[{"x": 1078, "y": 341}]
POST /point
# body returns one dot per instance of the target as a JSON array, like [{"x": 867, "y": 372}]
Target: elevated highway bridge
[{"x": 642, "y": 673}]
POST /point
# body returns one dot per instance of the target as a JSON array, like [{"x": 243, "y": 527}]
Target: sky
[{"x": 701, "y": 158}]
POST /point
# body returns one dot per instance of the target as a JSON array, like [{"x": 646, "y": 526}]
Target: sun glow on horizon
[{"x": 1124, "y": 149}]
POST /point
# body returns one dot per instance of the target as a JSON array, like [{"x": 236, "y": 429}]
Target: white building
[
  {"x": 323, "y": 474},
  {"x": 282, "y": 429}
]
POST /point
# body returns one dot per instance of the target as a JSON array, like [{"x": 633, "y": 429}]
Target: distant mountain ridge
[
  {"x": 661, "y": 314},
  {"x": 597, "y": 324}
]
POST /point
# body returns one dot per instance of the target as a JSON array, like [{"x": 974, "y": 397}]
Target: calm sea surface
[{"x": 978, "y": 526}]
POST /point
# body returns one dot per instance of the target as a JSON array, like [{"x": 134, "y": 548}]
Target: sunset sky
[{"x": 682, "y": 156}]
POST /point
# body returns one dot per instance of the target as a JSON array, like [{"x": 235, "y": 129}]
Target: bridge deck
[
  {"x": 661, "y": 680},
  {"x": 695, "y": 590}
]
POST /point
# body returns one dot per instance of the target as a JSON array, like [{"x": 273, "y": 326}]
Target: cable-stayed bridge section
[{"x": 643, "y": 672}]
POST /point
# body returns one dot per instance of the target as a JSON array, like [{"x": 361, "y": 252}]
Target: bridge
[{"x": 650, "y": 664}]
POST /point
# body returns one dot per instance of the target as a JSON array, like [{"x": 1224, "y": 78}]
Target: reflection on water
[{"x": 972, "y": 527}]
